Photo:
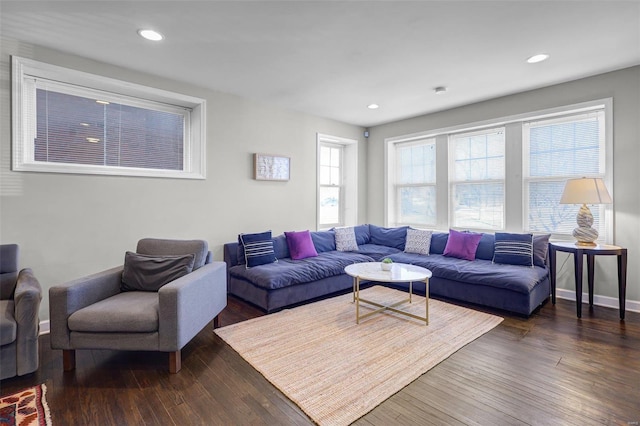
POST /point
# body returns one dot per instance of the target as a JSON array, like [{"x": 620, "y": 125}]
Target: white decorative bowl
[{"x": 386, "y": 266}]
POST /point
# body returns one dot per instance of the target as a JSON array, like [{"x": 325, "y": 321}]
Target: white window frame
[
  {"x": 348, "y": 180},
  {"x": 514, "y": 183},
  {"x": 86, "y": 84}
]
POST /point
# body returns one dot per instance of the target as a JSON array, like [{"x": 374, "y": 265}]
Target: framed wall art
[{"x": 271, "y": 167}]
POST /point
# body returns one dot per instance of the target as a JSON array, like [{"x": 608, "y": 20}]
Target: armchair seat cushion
[
  {"x": 8, "y": 325},
  {"x": 128, "y": 312}
]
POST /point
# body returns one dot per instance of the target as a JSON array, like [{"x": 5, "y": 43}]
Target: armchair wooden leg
[
  {"x": 68, "y": 359},
  {"x": 216, "y": 321},
  {"x": 175, "y": 362}
]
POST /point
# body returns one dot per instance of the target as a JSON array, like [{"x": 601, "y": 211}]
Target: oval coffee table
[{"x": 400, "y": 272}]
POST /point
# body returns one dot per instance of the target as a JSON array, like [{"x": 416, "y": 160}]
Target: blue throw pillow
[
  {"x": 324, "y": 240},
  {"x": 540, "y": 248},
  {"x": 390, "y": 237},
  {"x": 362, "y": 234},
  {"x": 280, "y": 247},
  {"x": 438, "y": 242},
  {"x": 485, "y": 247},
  {"x": 258, "y": 249},
  {"x": 513, "y": 249}
]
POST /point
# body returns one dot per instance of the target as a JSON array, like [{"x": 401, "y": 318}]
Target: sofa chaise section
[
  {"x": 288, "y": 282},
  {"x": 518, "y": 289}
]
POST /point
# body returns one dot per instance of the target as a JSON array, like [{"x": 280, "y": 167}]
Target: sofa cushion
[
  {"x": 300, "y": 245},
  {"x": 392, "y": 237},
  {"x": 8, "y": 326},
  {"x": 485, "y": 247},
  {"x": 346, "y": 239},
  {"x": 377, "y": 252},
  {"x": 132, "y": 312},
  {"x": 363, "y": 234},
  {"x": 144, "y": 272},
  {"x": 258, "y": 249},
  {"x": 418, "y": 241},
  {"x": 438, "y": 242},
  {"x": 324, "y": 240},
  {"x": 513, "y": 249},
  {"x": 462, "y": 245},
  {"x": 540, "y": 248},
  {"x": 480, "y": 272},
  {"x": 280, "y": 247},
  {"x": 289, "y": 272}
]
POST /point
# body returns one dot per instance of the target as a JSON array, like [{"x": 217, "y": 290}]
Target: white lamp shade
[{"x": 585, "y": 191}]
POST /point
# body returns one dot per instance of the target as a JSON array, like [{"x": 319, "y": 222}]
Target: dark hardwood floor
[{"x": 551, "y": 368}]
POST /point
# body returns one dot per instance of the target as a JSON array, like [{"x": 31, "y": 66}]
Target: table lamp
[{"x": 585, "y": 191}]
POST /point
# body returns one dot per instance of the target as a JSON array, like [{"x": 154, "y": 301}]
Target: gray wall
[
  {"x": 624, "y": 87},
  {"x": 72, "y": 225}
]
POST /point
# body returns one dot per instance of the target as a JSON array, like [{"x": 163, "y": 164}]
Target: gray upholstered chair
[
  {"x": 20, "y": 296},
  {"x": 108, "y": 310}
]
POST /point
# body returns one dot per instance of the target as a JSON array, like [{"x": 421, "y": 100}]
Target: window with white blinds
[
  {"x": 477, "y": 179},
  {"x": 415, "y": 183},
  {"x": 87, "y": 125},
  {"x": 555, "y": 150}
]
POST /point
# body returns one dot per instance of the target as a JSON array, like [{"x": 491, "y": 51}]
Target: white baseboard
[
  {"x": 606, "y": 301},
  {"x": 44, "y": 327}
]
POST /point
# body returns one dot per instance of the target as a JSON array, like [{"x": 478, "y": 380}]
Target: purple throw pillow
[
  {"x": 462, "y": 245},
  {"x": 300, "y": 245}
]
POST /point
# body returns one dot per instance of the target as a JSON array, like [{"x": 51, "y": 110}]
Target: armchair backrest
[
  {"x": 161, "y": 247},
  {"x": 8, "y": 270}
]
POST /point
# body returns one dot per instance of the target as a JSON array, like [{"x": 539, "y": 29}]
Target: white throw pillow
[
  {"x": 346, "y": 239},
  {"x": 418, "y": 241}
]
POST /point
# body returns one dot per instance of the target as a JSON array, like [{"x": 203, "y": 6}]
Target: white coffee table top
[{"x": 400, "y": 272}]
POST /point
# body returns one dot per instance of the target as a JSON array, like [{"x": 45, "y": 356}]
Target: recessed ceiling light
[
  {"x": 93, "y": 140},
  {"x": 537, "y": 58},
  {"x": 102, "y": 102},
  {"x": 373, "y": 106},
  {"x": 440, "y": 89},
  {"x": 150, "y": 35}
]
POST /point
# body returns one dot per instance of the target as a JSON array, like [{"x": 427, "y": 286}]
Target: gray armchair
[
  {"x": 123, "y": 309},
  {"x": 20, "y": 296}
]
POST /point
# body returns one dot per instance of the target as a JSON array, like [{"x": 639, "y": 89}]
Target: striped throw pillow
[
  {"x": 258, "y": 249},
  {"x": 513, "y": 249}
]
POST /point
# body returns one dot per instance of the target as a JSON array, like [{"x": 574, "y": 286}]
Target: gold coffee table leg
[
  {"x": 357, "y": 299},
  {"x": 426, "y": 300},
  {"x": 354, "y": 289}
]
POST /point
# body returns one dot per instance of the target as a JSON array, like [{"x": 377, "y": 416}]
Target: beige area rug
[{"x": 336, "y": 370}]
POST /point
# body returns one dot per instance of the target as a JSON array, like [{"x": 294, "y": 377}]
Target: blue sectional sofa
[{"x": 513, "y": 288}]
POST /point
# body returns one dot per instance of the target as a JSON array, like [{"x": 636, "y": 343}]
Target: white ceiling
[{"x": 333, "y": 58}]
